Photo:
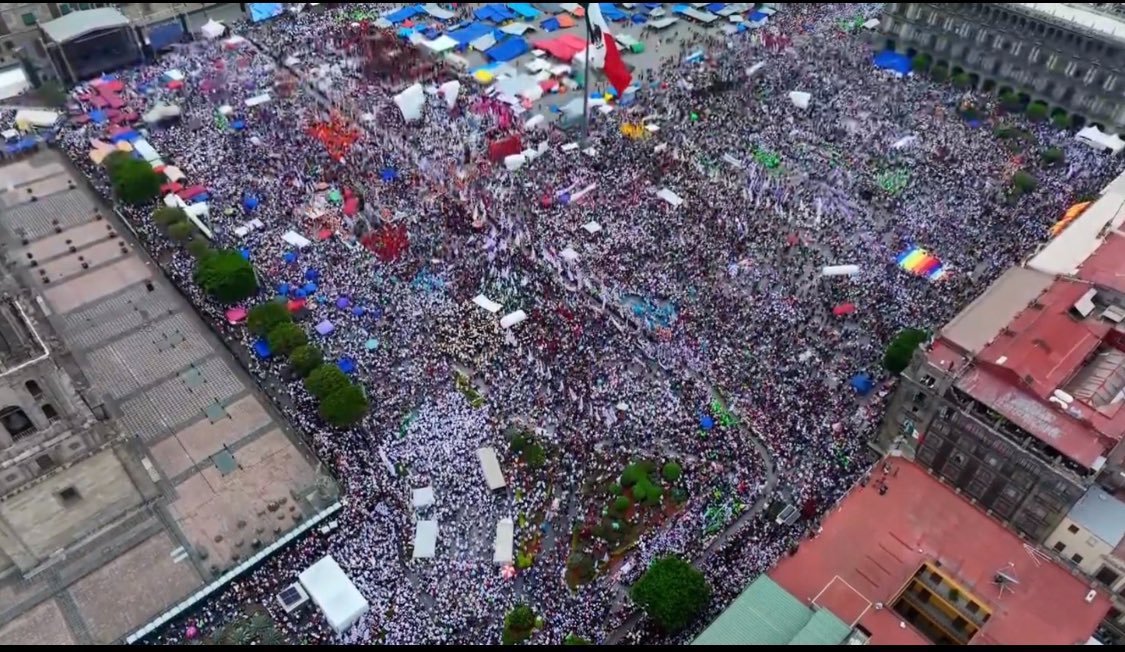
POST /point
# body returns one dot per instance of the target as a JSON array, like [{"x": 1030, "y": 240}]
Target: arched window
[
  {"x": 33, "y": 388},
  {"x": 15, "y": 421},
  {"x": 50, "y": 412}
]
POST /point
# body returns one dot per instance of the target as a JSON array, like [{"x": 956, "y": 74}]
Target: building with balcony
[{"x": 1069, "y": 56}]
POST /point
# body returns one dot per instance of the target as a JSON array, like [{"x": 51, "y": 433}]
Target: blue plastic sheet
[
  {"x": 470, "y": 33},
  {"x": 404, "y": 14},
  {"x": 165, "y": 34},
  {"x": 508, "y": 50},
  {"x": 525, "y": 10},
  {"x": 550, "y": 25},
  {"x": 249, "y": 202},
  {"x": 891, "y": 60},
  {"x": 346, "y": 365},
  {"x": 260, "y": 11},
  {"x": 261, "y": 349},
  {"x": 244, "y": 252}
]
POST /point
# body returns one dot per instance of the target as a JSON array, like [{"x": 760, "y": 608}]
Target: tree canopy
[
  {"x": 167, "y": 215},
  {"x": 181, "y": 231},
  {"x": 226, "y": 276},
  {"x": 518, "y": 624},
  {"x": 326, "y": 379},
  {"x": 672, "y": 471},
  {"x": 672, "y": 592},
  {"x": 134, "y": 181},
  {"x": 263, "y": 317},
  {"x": 304, "y": 359},
  {"x": 1037, "y": 111},
  {"x": 901, "y": 349},
  {"x": 344, "y": 407},
  {"x": 285, "y": 337}
]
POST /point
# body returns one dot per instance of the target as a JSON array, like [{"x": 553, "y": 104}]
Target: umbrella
[
  {"x": 843, "y": 309},
  {"x": 343, "y": 302},
  {"x": 706, "y": 422},
  {"x": 372, "y": 344}
]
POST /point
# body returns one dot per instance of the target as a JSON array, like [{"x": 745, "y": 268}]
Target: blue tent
[
  {"x": 550, "y": 25},
  {"x": 612, "y": 13},
  {"x": 260, "y": 11},
  {"x": 310, "y": 288},
  {"x": 283, "y": 289},
  {"x": 758, "y": 17},
  {"x": 312, "y": 274},
  {"x": 706, "y": 422},
  {"x": 639, "y": 19},
  {"x": 862, "y": 384},
  {"x": 238, "y": 125},
  {"x": 200, "y": 198},
  {"x": 508, "y": 50},
  {"x": 432, "y": 33},
  {"x": 891, "y": 60},
  {"x": 404, "y": 14},
  {"x": 346, "y": 365},
  {"x": 97, "y": 116},
  {"x": 261, "y": 349},
  {"x": 244, "y": 252},
  {"x": 524, "y": 10},
  {"x": 389, "y": 174},
  {"x": 289, "y": 257},
  {"x": 679, "y": 9},
  {"x": 715, "y": 7},
  {"x": 469, "y": 33},
  {"x": 495, "y": 12},
  {"x": 250, "y": 202}
]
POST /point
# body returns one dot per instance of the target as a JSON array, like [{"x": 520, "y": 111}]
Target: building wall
[
  {"x": 1002, "y": 45},
  {"x": 62, "y": 508},
  {"x": 1070, "y": 539}
]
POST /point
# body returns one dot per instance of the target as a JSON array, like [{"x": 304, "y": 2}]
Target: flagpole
[{"x": 586, "y": 81}]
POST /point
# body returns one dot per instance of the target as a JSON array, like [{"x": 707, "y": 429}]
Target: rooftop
[
  {"x": 1097, "y": 21},
  {"x": 872, "y": 545},
  {"x": 80, "y": 23},
  {"x": 766, "y": 614},
  {"x": 1101, "y": 515}
]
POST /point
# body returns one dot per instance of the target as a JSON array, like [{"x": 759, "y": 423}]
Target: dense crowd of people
[{"x": 626, "y": 344}]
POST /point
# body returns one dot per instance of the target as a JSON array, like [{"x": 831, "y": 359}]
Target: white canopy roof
[
  {"x": 502, "y": 547},
  {"x": 512, "y": 318},
  {"x": 212, "y": 29},
  {"x": 800, "y": 99},
  {"x": 670, "y": 197},
  {"x": 331, "y": 590},
  {"x": 443, "y": 43},
  {"x": 490, "y": 467},
  {"x": 487, "y": 304},
  {"x": 423, "y": 497},
  {"x": 425, "y": 539},
  {"x": 1091, "y": 136},
  {"x": 296, "y": 239},
  {"x": 37, "y": 117},
  {"x": 13, "y": 81}
]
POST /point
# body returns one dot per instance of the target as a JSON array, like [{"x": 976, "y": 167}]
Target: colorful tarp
[
  {"x": 920, "y": 262},
  {"x": 1072, "y": 213}
]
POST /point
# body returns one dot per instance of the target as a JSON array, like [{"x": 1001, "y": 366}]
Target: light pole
[{"x": 586, "y": 79}]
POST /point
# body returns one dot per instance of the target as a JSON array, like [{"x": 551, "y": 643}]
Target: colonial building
[{"x": 1069, "y": 56}]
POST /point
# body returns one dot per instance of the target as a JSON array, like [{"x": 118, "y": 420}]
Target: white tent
[
  {"x": 146, "y": 150},
  {"x": 13, "y": 82},
  {"x": 162, "y": 112},
  {"x": 670, "y": 197},
  {"x": 569, "y": 254},
  {"x": 592, "y": 227},
  {"x": 800, "y": 99},
  {"x": 840, "y": 270},
  {"x": 425, "y": 539},
  {"x": 297, "y": 240},
  {"x": 1091, "y": 136},
  {"x": 905, "y": 141},
  {"x": 490, "y": 467},
  {"x": 512, "y": 318},
  {"x": 504, "y": 544},
  {"x": 483, "y": 43},
  {"x": 174, "y": 173},
  {"x": 330, "y": 589},
  {"x": 441, "y": 44},
  {"x": 422, "y": 498},
  {"x": 871, "y": 24},
  {"x": 410, "y": 102},
  {"x": 513, "y": 162},
  {"x": 487, "y": 304},
  {"x": 36, "y": 117},
  {"x": 535, "y": 121},
  {"x": 212, "y": 29},
  {"x": 450, "y": 90},
  {"x": 663, "y": 23},
  {"x": 257, "y": 99},
  {"x": 437, "y": 12}
]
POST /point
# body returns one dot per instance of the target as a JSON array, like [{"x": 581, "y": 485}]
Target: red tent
[
  {"x": 561, "y": 47},
  {"x": 843, "y": 309},
  {"x": 506, "y": 147}
]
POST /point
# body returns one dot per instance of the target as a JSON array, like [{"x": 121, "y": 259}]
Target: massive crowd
[{"x": 625, "y": 343}]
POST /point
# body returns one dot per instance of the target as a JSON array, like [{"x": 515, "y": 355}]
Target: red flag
[{"x": 615, "y": 69}]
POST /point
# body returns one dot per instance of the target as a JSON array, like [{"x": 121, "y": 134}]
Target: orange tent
[{"x": 566, "y": 21}]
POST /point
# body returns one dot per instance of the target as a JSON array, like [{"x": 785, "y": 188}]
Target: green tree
[
  {"x": 198, "y": 248},
  {"x": 1023, "y": 182},
  {"x": 921, "y": 62},
  {"x": 1060, "y": 120},
  {"x": 575, "y": 639},
  {"x": 226, "y": 276},
  {"x": 326, "y": 379},
  {"x": 962, "y": 80},
  {"x": 1053, "y": 155},
  {"x": 134, "y": 181},
  {"x": 518, "y": 624},
  {"x": 621, "y": 504},
  {"x": 181, "y": 231},
  {"x": 304, "y": 359},
  {"x": 615, "y": 489},
  {"x": 1010, "y": 101},
  {"x": 634, "y": 473},
  {"x": 52, "y": 94},
  {"x": 939, "y": 73},
  {"x": 166, "y": 216},
  {"x": 653, "y": 493},
  {"x": 901, "y": 349},
  {"x": 1037, "y": 111},
  {"x": 344, "y": 407},
  {"x": 285, "y": 337},
  {"x": 672, "y": 592},
  {"x": 536, "y": 456},
  {"x": 672, "y": 471},
  {"x": 263, "y": 317}
]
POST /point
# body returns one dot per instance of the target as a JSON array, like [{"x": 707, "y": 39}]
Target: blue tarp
[
  {"x": 250, "y": 202},
  {"x": 346, "y": 365},
  {"x": 679, "y": 9},
  {"x": 260, "y": 11},
  {"x": 524, "y": 10},
  {"x": 639, "y": 19},
  {"x": 244, "y": 252},
  {"x": 470, "y": 33},
  {"x": 715, "y": 7},
  {"x": 706, "y": 422},
  {"x": 312, "y": 274},
  {"x": 289, "y": 257},
  {"x": 404, "y": 14},
  {"x": 550, "y": 25},
  {"x": 758, "y": 17},
  {"x": 238, "y": 125},
  {"x": 862, "y": 384},
  {"x": 891, "y": 60},
  {"x": 129, "y": 136},
  {"x": 200, "y": 198},
  {"x": 508, "y": 50},
  {"x": 165, "y": 34},
  {"x": 261, "y": 349},
  {"x": 611, "y": 12},
  {"x": 388, "y": 175},
  {"x": 98, "y": 117},
  {"x": 496, "y": 13}
]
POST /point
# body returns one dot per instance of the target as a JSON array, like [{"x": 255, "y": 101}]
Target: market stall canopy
[
  {"x": 330, "y": 589},
  {"x": 425, "y": 539},
  {"x": 212, "y": 29}
]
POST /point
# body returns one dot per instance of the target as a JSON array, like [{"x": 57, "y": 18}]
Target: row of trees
[
  {"x": 342, "y": 403},
  {"x": 133, "y": 180}
]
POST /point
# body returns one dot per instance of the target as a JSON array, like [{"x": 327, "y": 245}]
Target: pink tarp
[
  {"x": 110, "y": 87},
  {"x": 561, "y": 47}
]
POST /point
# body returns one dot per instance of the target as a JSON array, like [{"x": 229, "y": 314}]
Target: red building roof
[
  {"x": 1043, "y": 347},
  {"x": 871, "y": 545},
  {"x": 1104, "y": 267}
]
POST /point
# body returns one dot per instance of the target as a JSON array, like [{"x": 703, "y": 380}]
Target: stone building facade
[{"x": 1070, "y": 57}]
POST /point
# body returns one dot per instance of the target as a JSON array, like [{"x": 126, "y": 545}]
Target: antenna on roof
[
  {"x": 1037, "y": 555},
  {"x": 1005, "y": 578}
]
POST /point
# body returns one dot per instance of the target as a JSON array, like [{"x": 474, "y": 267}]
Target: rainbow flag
[{"x": 920, "y": 262}]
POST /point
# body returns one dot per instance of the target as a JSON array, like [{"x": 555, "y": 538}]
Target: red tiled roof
[
  {"x": 871, "y": 545},
  {"x": 1104, "y": 266}
]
